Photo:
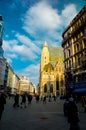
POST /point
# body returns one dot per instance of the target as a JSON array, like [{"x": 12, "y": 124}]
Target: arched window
[
  {"x": 51, "y": 88},
  {"x": 45, "y": 88},
  {"x": 69, "y": 53},
  {"x": 78, "y": 59}
]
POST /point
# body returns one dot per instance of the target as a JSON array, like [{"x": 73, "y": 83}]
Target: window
[
  {"x": 77, "y": 47},
  {"x": 51, "y": 88},
  {"x": 85, "y": 42},
  {"x": 57, "y": 85},
  {"x": 45, "y": 88},
  {"x": 78, "y": 59},
  {"x": 69, "y": 63},
  {"x": 69, "y": 53}
]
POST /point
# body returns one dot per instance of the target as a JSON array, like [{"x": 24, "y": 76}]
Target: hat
[{"x": 71, "y": 99}]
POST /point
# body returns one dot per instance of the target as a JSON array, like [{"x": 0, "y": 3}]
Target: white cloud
[
  {"x": 42, "y": 21},
  {"x": 27, "y": 42},
  {"x": 7, "y": 45},
  {"x": 31, "y": 72},
  {"x": 26, "y": 51},
  {"x": 68, "y": 13}
]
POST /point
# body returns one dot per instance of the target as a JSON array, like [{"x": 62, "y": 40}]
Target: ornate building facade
[
  {"x": 12, "y": 85},
  {"x": 74, "y": 45},
  {"x": 25, "y": 86},
  {"x": 51, "y": 71}
]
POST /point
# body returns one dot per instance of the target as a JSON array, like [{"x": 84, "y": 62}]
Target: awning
[{"x": 79, "y": 90}]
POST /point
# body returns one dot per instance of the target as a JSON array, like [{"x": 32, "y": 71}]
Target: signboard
[{"x": 77, "y": 85}]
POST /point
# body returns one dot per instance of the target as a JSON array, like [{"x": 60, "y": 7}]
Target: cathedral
[{"x": 51, "y": 71}]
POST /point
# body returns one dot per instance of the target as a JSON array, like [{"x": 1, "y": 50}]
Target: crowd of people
[
  {"x": 21, "y": 100},
  {"x": 24, "y": 98},
  {"x": 70, "y": 108}
]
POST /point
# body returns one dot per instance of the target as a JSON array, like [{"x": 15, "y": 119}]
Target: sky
[{"x": 27, "y": 24}]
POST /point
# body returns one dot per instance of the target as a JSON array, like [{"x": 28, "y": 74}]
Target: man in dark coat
[
  {"x": 73, "y": 118},
  {"x": 16, "y": 100},
  {"x": 2, "y": 102},
  {"x": 23, "y": 102},
  {"x": 65, "y": 107}
]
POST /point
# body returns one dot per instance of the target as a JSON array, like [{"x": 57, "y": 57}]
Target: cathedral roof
[
  {"x": 48, "y": 67},
  {"x": 56, "y": 53}
]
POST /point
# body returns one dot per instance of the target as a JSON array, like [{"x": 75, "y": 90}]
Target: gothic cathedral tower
[
  {"x": 44, "y": 56},
  {"x": 43, "y": 62}
]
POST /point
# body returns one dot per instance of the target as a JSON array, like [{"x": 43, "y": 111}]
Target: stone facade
[{"x": 74, "y": 45}]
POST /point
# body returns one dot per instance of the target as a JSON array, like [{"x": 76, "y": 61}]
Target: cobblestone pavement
[{"x": 38, "y": 116}]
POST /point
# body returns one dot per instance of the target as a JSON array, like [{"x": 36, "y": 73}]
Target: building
[
  {"x": 12, "y": 85},
  {"x": 51, "y": 71},
  {"x": 15, "y": 83},
  {"x": 74, "y": 45},
  {"x": 25, "y": 86},
  {"x": 6, "y": 75},
  {"x": 2, "y": 72},
  {"x": 8, "y": 79},
  {"x": 2, "y": 59},
  {"x": 32, "y": 89}
]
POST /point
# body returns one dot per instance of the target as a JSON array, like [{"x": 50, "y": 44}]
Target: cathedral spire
[{"x": 45, "y": 44}]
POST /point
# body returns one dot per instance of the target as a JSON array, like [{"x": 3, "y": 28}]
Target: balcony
[{"x": 79, "y": 27}]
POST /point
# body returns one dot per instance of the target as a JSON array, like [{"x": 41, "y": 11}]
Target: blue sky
[{"x": 27, "y": 24}]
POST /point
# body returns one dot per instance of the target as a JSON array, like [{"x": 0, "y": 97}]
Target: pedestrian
[
  {"x": 23, "y": 102},
  {"x": 44, "y": 99},
  {"x": 49, "y": 98},
  {"x": 37, "y": 98},
  {"x": 73, "y": 117},
  {"x": 16, "y": 100},
  {"x": 29, "y": 98},
  {"x": 65, "y": 107},
  {"x": 54, "y": 97},
  {"x": 2, "y": 103}
]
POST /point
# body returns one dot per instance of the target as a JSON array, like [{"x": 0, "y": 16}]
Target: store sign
[{"x": 77, "y": 85}]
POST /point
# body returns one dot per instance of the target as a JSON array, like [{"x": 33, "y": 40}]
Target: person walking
[
  {"x": 2, "y": 103},
  {"x": 44, "y": 100},
  {"x": 23, "y": 102},
  {"x": 16, "y": 100},
  {"x": 65, "y": 107},
  {"x": 72, "y": 115},
  {"x": 37, "y": 98},
  {"x": 29, "y": 98}
]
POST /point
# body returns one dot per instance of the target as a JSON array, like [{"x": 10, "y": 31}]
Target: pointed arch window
[
  {"x": 45, "y": 88},
  {"x": 51, "y": 88}
]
